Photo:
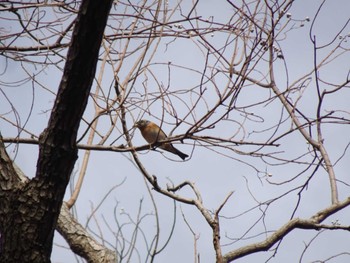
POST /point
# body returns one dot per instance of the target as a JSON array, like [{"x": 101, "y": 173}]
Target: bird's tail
[
  {"x": 170, "y": 148},
  {"x": 182, "y": 155}
]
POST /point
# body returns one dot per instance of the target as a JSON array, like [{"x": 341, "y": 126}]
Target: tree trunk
[{"x": 29, "y": 210}]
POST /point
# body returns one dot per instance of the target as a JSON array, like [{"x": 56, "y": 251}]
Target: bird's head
[{"x": 141, "y": 124}]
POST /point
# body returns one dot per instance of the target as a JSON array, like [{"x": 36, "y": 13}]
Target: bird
[{"x": 152, "y": 133}]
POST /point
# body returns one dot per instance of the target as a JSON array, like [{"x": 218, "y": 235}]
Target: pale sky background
[{"x": 213, "y": 174}]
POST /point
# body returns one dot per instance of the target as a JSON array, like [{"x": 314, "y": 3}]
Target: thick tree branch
[
  {"x": 7, "y": 171},
  {"x": 296, "y": 223},
  {"x": 80, "y": 241}
]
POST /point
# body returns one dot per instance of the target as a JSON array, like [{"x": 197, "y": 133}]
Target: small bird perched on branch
[{"x": 153, "y": 133}]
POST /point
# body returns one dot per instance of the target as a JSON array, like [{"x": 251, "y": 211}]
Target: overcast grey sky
[{"x": 214, "y": 174}]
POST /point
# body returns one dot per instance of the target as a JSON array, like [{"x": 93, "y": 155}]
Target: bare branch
[{"x": 296, "y": 223}]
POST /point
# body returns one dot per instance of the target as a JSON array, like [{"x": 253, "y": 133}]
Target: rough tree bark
[
  {"x": 80, "y": 241},
  {"x": 29, "y": 210}
]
